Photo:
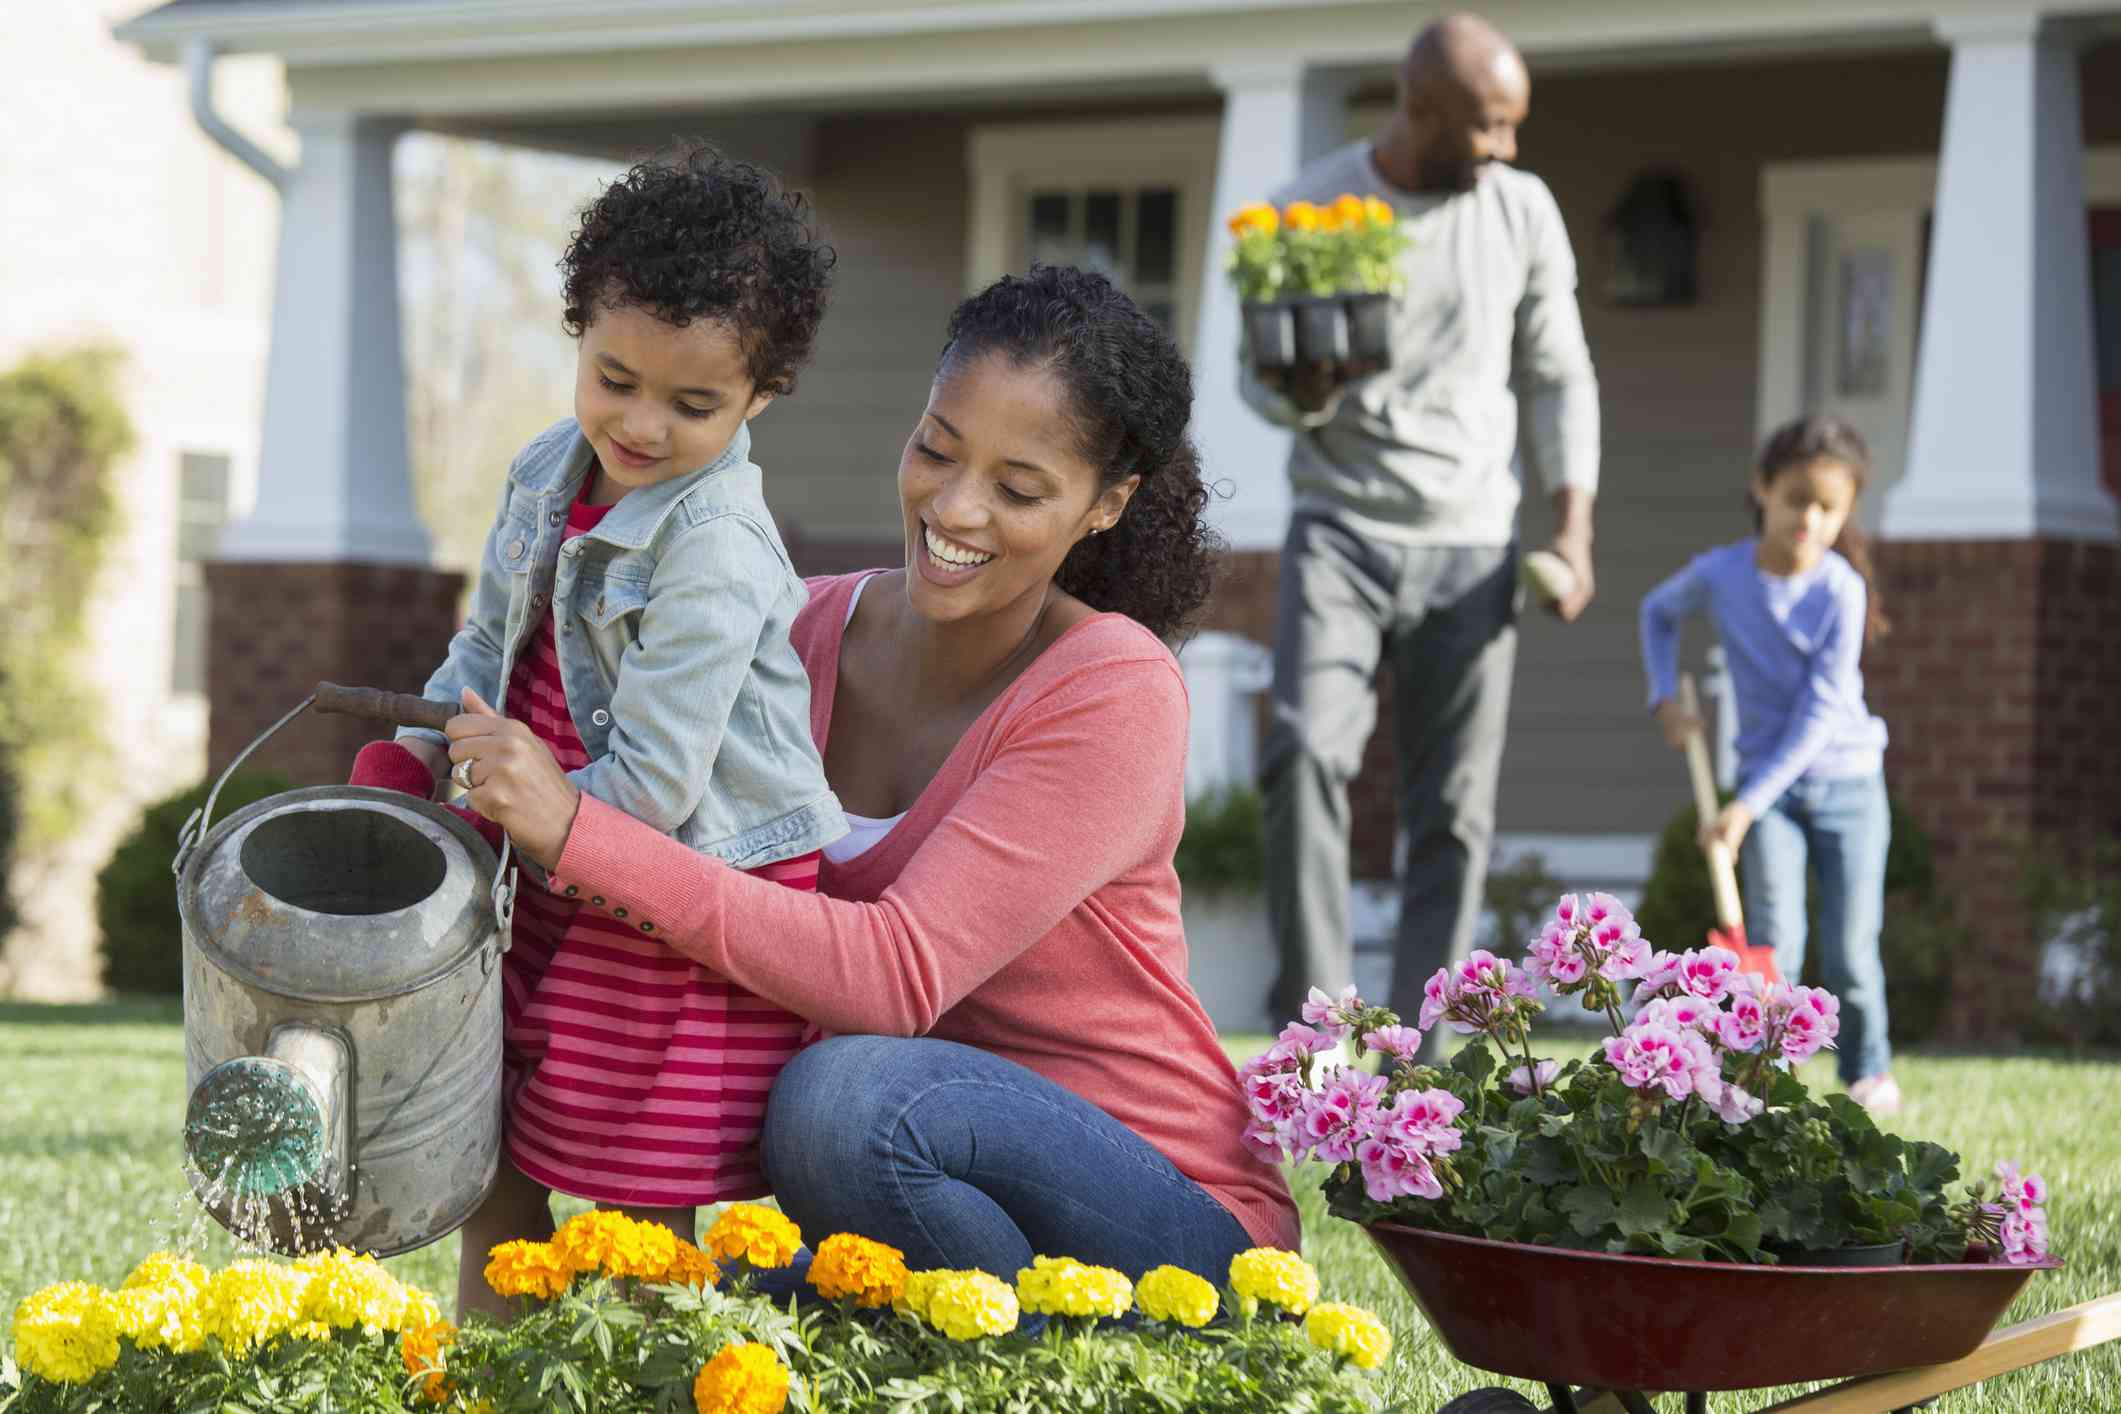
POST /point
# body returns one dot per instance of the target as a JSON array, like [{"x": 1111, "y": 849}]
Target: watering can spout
[{"x": 268, "y": 1138}]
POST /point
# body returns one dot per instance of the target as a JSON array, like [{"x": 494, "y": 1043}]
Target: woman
[{"x": 1016, "y": 1064}]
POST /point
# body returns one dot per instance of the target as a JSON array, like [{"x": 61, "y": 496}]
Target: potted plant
[
  {"x": 1685, "y": 1140},
  {"x": 1259, "y": 268},
  {"x": 1375, "y": 242}
]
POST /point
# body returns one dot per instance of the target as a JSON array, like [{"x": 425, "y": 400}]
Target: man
[{"x": 1403, "y": 541}]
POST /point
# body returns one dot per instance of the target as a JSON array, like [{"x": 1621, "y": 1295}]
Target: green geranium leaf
[
  {"x": 1588, "y": 1209},
  {"x": 1645, "y": 1209},
  {"x": 1475, "y": 1062}
]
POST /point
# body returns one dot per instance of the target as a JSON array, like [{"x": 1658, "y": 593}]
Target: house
[
  {"x": 126, "y": 226},
  {"x": 1907, "y": 212}
]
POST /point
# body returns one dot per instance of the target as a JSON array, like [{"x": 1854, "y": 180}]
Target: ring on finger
[{"x": 461, "y": 774}]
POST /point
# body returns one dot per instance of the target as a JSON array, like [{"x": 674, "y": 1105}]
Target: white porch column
[
  {"x": 333, "y": 477},
  {"x": 2004, "y": 437},
  {"x": 1275, "y": 117}
]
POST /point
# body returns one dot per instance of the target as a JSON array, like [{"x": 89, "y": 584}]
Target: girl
[
  {"x": 633, "y": 610},
  {"x": 1795, "y": 604}
]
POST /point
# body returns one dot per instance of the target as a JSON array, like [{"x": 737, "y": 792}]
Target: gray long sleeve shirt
[{"x": 1486, "y": 336}]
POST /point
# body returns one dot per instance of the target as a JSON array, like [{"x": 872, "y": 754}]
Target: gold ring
[{"x": 461, "y": 774}]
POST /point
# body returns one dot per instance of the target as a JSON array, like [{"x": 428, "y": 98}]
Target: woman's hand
[
  {"x": 509, "y": 777},
  {"x": 1728, "y": 828},
  {"x": 1677, "y": 723}
]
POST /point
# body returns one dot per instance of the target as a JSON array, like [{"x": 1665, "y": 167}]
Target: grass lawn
[{"x": 94, "y": 1096}]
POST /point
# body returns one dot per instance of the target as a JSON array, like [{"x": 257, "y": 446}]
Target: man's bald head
[{"x": 1463, "y": 91}]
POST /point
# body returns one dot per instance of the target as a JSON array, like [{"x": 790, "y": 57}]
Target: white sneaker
[{"x": 1880, "y": 1094}]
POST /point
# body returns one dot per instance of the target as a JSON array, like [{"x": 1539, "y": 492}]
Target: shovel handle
[
  {"x": 375, "y": 705},
  {"x": 1723, "y": 870}
]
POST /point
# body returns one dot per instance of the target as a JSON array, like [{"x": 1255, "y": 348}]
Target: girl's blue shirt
[
  {"x": 1793, "y": 644},
  {"x": 672, "y": 632}
]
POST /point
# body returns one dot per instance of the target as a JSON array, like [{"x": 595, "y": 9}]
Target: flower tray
[{"x": 1654, "y": 1323}]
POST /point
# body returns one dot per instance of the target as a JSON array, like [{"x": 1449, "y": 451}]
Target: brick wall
[
  {"x": 2001, "y": 684},
  {"x": 277, "y": 629}
]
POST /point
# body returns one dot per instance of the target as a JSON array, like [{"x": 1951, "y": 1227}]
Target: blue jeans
[
  {"x": 1841, "y": 829},
  {"x": 962, "y": 1159}
]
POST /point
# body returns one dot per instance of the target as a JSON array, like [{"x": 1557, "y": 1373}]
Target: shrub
[
  {"x": 136, "y": 899},
  {"x": 1520, "y": 897},
  {"x": 1919, "y": 942},
  {"x": 1224, "y": 846},
  {"x": 2073, "y": 890}
]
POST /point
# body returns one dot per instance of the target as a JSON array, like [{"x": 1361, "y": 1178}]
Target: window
[
  {"x": 1128, "y": 199},
  {"x": 202, "y": 510}
]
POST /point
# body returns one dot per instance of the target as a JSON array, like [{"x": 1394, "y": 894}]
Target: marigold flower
[
  {"x": 1174, "y": 1294},
  {"x": 1274, "y": 1276},
  {"x": 1062, "y": 1286},
  {"x": 750, "y": 1233},
  {"x": 350, "y": 1289},
  {"x": 250, "y": 1302},
  {"x": 421, "y": 1349},
  {"x": 744, "y": 1377},
  {"x": 1301, "y": 216},
  {"x": 66, "y": 1333},
  {"x": 528, "y": 1269},
  {"x": 619, "y": 1246},
  {"x": 691, "y": 1267},
  {"x": 1349, "y": 1331},
  {"x": 1379, "y": 211},
  {"x": 160, "y": 1317},
  {"x": 968, "y": 1305},
  {"x": 912, "y": 1299},
  {"x": 166, "y": 1269},
  {"x": 872, "y": 1273},
  {"x": 1259, "y": 217},
  {"x": 1350, "y": 209}
]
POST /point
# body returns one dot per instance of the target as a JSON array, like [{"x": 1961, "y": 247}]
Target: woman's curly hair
[
  {"x": 1130, "y": 397},
  {"x": 696, "y": 235}
]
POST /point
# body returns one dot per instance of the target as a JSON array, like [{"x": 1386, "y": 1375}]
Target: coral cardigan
[{"x": 1026, "y": 904}]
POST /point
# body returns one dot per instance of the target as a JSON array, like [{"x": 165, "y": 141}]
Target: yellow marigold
[
  {"x": 744, "y": 1377},
  {"x": 619, "y": 1246},
  {"x": 1379, "y": 211},
  {"x": 1062, "y": 1286},
  {"x": 1272, "y": 1275},
  {"x": 1259, "y": 217},
  {"x": 1350, "y": 209},
  {"x": 1175, "y": 1294},
  {"x": 347, "y": 1290},
  {"x": 691, "y": 1267},
  {"x": 1301, "y": 216},
  {"x": 166, "y": 1269},
  {"x": 872, "y": 1273},
  {"x": 160, "y": 1317},
  {"x": 421, "y": 1349},
  {"x": 66, "y": 1333},
  {"x": 1350, "y": 1331},
  {"x": 912, "y": 1299},
  {"x": 748, "y": 1232},
  {"x": 968, "y": 1305},
  {"x": 251, "y": 1302},
  {"x": 528, "y": 1269}
]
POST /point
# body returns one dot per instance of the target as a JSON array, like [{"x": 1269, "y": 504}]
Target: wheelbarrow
[{"x": 1603, "y": 1332}]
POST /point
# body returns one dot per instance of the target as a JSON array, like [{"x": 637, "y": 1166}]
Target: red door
[{"x": 2106, "y": 335}]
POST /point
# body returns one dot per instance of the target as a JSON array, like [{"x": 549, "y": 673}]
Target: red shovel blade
[{"x": 1750, "y": 959}]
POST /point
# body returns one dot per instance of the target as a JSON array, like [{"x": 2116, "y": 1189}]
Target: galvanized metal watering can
[{"x": 342, "y": 1007}]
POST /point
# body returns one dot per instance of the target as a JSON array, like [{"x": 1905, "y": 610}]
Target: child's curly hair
[{"x": 696, "y": 235}]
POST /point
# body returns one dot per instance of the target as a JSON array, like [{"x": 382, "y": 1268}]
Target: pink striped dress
[{"x": 634, "y": 1076}]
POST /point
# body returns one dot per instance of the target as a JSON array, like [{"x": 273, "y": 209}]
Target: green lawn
[{"x": 91, "y": 1099}]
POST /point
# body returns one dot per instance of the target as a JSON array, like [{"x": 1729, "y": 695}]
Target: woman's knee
[{"x": 823, "y": 1112}]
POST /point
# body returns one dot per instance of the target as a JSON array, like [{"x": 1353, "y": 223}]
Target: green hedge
[
  {"x": 136, "y": 896},
  {"x": 1223, "y": 848},
  {"x": 1919, "y": 941}
]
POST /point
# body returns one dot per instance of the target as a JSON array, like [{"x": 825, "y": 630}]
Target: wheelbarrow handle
[{"x": 376, "y": 705}]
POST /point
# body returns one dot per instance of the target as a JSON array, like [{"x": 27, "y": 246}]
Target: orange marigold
[
  {"x": 528, "y": 1269},
  {"x": 692, "y": 1267},
  {"x": 871, "y": 1273},
  {"x": 1301, "y": 216},
  {"x": 750, "y": 1233},
  {"x": 744, "y": 1377},
  {"x": 421, "y": 1347},
  {"x": 611, "y": 1242}
]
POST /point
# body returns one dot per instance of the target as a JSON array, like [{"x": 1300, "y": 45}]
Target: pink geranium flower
[
  {"x": 1339, "y": 1115},
  {"x": 1522, "y": 1077},
  {"x": 1333, "y": 1015},
  {"x": 1391, "y": 1170},
  {"x": 1652, "y": 1055},
  {"x": 1706, "y": 972},
  {"x": 1398, "y": 1042}
]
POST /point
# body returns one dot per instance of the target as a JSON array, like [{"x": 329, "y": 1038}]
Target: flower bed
[
  {"x": 1687, "y": 1134},
  {"x": 617, "y": 1315}
]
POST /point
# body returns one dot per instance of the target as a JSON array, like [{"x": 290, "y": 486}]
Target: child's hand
[
  {"x": 1677, "y": 723},
  {"x": 1728, "y": 828}
]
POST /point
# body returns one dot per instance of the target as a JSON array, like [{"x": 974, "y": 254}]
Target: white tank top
[{"x": 864, "y": 832}]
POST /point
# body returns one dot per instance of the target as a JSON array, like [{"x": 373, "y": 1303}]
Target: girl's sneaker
[{"x": 1880, "y": 1094}]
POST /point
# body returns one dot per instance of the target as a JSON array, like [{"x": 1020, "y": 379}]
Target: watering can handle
[{"x": 376, "y": 705}]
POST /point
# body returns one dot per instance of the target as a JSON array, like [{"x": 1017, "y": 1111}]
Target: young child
[
  {"x": 633, "y": 608},
  {"x": 1795, "y": 604}
]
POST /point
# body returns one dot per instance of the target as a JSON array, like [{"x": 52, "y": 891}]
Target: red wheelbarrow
[{"x": 1602, "y": 1331}]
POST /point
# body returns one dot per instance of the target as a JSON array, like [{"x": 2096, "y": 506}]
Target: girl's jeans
[
  {"x": 1841, "y": 828},
  {"x": 960, "y": 1158}
]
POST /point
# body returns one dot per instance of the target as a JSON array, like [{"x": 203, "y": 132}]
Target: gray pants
[{"x": 1445, "y": 619}]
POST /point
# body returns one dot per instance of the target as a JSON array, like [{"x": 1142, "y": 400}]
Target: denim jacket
[{"x": 672, "y": 633}]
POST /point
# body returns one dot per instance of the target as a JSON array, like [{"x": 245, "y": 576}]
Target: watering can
[{"x": 342, "y": 1007}]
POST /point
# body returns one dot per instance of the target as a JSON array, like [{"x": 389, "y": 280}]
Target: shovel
[{"x": 1729, "y": 931}]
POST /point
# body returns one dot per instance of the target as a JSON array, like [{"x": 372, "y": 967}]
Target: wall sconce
[{"x": 1651, "y": 241}]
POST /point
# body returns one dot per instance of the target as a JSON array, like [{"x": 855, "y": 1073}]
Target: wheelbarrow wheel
[{"x": 1490, "y": 1401}]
